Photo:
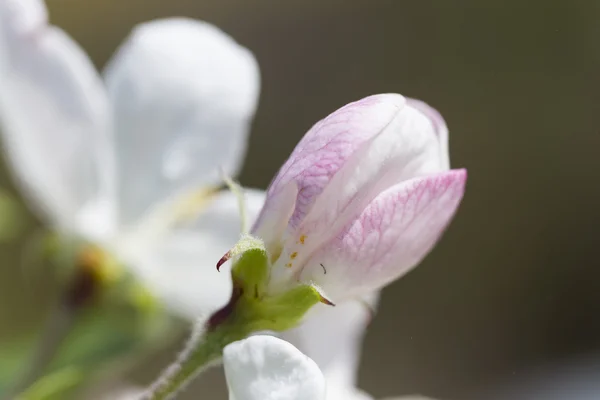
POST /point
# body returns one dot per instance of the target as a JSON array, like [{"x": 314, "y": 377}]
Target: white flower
[
  {"x": 115, "y": 160},
  {"x": 267, "y": 368}
]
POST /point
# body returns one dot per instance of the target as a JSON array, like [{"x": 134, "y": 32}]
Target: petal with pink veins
[
  {"x": 328, "y": 145},
  {"x": 391, "y": 236}
]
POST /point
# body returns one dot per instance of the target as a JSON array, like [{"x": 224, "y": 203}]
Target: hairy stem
[{"x": 202, "y": 351}]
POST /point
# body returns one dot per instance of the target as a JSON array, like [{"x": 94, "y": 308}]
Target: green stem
[{"x": 204, "y": 349}]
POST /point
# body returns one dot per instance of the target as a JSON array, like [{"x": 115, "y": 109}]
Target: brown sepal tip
[
  {"x": 223, "y": 260},
  {"x": 325, "y": 300}
]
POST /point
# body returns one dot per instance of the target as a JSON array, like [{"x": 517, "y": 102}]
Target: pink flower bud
[{"x": 362, "y": 199}]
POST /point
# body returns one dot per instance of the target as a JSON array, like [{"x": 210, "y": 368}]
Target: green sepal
[
  {"x": 286, "y": 310},
  {"x": 247, "y": 313},
  {"x": 251, "y": 307},
  {"x": 250, "y": 272}
]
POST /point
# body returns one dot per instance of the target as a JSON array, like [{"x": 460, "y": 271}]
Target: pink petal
[{"x": 391, "y": 236}]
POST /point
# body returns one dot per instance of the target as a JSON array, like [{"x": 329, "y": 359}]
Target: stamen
[{"x": 324, "y": 270}]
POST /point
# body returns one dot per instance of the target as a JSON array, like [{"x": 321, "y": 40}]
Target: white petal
[
  {"x": 332, "y": 337},
  {"x": 22, "y": 16},
  {"x": 439, "y": 126},
  {"x": 268, "y": 368},
  {"x": 180, "y": 268},
  {"x": 55, "y": 121},
  {"x": 184, "y": 95}
]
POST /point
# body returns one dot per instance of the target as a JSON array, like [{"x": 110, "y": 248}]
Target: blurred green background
[{"x": 515, "y": 282}]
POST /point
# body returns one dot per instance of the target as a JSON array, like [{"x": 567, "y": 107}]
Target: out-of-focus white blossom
[{"x": 128, "y": 161}]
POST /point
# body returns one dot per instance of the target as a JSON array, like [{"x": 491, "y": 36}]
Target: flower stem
[{"x": 203, "y": 350}]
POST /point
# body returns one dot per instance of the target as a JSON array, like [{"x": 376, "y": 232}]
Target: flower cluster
[{"x": 130, "y": 164}]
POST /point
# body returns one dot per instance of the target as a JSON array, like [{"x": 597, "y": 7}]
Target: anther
[{"x": 324, "y": 270}]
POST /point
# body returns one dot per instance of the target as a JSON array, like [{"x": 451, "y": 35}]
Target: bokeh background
[{"x": 514, "y": 286}]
